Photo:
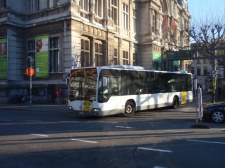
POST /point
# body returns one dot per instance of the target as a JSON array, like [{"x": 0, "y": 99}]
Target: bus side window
[
  {"x": 113, "y": 85},
  {"x": 115, "y": 91}
]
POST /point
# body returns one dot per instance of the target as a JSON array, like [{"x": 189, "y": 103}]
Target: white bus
[{"x": 110, "y": 90}]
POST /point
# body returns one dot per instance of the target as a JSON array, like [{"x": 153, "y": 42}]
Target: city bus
[{"x": 120, "y": 89}]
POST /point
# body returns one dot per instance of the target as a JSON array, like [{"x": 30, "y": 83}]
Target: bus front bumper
[{"x": 92, "y": 112}]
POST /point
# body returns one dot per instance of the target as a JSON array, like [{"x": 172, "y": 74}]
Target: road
[{"x": 48, "y": 136}]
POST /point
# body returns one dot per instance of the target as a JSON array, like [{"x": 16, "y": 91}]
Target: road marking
[
  {"x": 69, "y": 121},
  {"x": 176, "y": 131},
  {"x": 123, "y": 127},
  {"x": 41, "y": 135},
  {"x": 81, "y": 140},
  {"x": 107, "y": 122},
  {"x": 159, "y": 167},
  {"x": 212, "y": 142},
  {"x": 33, "y": 121},
  {"x": 156, "y": 150}
]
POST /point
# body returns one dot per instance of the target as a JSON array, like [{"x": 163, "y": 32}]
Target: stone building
[{"x": 54, "y": 34}]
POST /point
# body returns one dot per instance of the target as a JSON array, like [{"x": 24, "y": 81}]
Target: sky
[{"x": 202, "y": 10}]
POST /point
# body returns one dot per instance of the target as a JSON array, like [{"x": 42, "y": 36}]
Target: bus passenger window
[{"x": 115, "y": 91}]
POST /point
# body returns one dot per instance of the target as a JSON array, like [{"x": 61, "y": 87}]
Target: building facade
[
  {"x": 53, "y": 35},
  {"x": 202, "y": 71}
]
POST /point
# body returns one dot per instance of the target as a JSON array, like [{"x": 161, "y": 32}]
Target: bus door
[{"x": 160, "y": 89}]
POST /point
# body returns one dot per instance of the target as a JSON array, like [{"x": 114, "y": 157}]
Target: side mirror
[{"x": 104, "y": 82}]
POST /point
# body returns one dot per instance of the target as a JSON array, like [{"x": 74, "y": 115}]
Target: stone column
[
  {"x": 92, "y": 10},
  {"x": 76, "y": 2}
]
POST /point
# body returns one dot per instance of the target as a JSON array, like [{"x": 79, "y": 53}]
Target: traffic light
[{"x": 30, "y": 62}]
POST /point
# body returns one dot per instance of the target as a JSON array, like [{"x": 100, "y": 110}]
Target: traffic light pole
[
  {"x": 30, "y": 83},
  {"x": 30, "y": 91},
  {"x": 214, "y": 79}
]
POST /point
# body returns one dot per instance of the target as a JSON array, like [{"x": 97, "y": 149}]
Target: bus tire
[
  {"x": 129, "y": 109},
  {"x": 175, "y": 102}
]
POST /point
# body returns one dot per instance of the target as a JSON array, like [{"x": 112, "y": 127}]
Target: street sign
[
  {"x": 220, "y": 52},
  {"x": 30, "y": 71},
  {"x": 179, "y": 55},
  {"x": 213, "y": 75},
  {"x": 213, "y": 71}
]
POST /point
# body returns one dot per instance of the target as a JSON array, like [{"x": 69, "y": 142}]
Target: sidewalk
[{"x": 36, "y": 107}]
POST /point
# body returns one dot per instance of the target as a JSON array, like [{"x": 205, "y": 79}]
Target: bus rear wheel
[{"x": 129, "y": 109}]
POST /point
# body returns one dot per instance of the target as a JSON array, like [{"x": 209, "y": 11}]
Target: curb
[{"x": 200, "y": 126}]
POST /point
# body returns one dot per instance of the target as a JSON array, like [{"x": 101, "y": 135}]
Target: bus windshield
[{"x": 83, "y": 84}]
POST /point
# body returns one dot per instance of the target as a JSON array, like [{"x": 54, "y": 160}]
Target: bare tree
[{"x": 208, "y": 40}]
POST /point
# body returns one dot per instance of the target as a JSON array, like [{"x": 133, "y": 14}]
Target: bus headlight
[
  {"x": 95, "y": 110},
  {"x": 70, "y": 107}
]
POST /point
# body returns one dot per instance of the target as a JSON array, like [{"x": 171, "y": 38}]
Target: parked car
[{"x": 215, "y": 112}]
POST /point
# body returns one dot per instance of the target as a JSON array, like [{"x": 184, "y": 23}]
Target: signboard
[
  {"x": 213, "y": 75},
  {"x": 179, "y": 55},
  {"x": 156, "y": 57},
  {"x": 41, "y": 61},
  {"x": 176, "y": 63},
  {"x": 213, "y": 71},
  {"x": 220, "y": 52},
  {"x": 3, "y": 58}
]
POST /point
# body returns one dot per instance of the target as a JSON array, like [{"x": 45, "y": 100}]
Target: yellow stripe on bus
[{"x": 184, "y": 98}]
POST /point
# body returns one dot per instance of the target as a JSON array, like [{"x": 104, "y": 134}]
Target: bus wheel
[
  {"x": 175, "y": 102},
  {"x": 129, "y": 109}
]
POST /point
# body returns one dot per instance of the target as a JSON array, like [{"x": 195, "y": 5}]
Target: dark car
[{"x": 215, "y": 112}]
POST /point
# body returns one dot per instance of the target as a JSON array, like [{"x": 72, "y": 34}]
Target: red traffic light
[{"x": 30, "y": 71}]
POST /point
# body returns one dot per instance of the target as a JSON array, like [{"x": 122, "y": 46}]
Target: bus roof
[{"x": 130, "y": 67}]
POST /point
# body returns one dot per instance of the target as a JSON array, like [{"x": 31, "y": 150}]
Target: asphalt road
[{"x": 49, "y": 136}]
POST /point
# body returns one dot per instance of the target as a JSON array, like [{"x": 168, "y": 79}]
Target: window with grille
[
  {"x": 134, "y": 21},
  {"x": 198, "y": 71},
  {"x": 205, "y": 61},
  {"x": 54, "y": 54},
  {"x": 53, "y": 3},
  {"x": 125, "y": 16},
  {"x": 205, "y": 70},
  {"x": 109, "y": 8},
  {"x": 154, "y": 22},
  {"x": 2, "y": 4},
  {"x": 85, "y": 52},
  {"x": 125, "y": 58},
  {"x": 42, "y": 4},
  {"x": 84, "y": 4},
  {"x": 114, "y": 11},
  {"x": 98, "y": 54},
  {"x": 98, "y": 8},
  {"x": 192, "y": 70},
  {"x": 35, "y": 5},
  {"x": 115, "y": 57},
  {"x": 134, "y": 59}
]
